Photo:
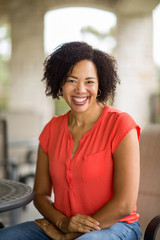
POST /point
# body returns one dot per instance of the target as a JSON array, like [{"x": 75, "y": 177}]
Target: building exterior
[{"x": 27, "y": 100}]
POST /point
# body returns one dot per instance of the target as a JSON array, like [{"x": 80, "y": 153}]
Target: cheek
[
  {"x": 65, "y": 90},
  {"x": 95, "y": 89},
  {"x": 67, "y": 87},
  {"x": 66, "y": 93}
]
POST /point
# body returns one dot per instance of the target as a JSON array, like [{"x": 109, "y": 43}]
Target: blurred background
[{"x": 31, "y": 29}]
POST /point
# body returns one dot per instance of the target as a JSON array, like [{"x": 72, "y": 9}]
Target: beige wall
[{"x": 136, "y": 67}]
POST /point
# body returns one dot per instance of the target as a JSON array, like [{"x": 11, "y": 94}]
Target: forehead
[{"x": 86, "y": 66}]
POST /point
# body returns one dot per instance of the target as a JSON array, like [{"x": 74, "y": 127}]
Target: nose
[{"x": 80, "y": 88}]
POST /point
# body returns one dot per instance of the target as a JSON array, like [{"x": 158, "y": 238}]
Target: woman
[{"x": 88, "y": 156}]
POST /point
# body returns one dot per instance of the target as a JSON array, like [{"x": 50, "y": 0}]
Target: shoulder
[
  {"x": 52, "y": 128},
  {"x": 54, "y": 124},
  {"x": 56, "y": 120},
  {"x": 119, "y": 122},
  {"x": 117, "y": 116}
]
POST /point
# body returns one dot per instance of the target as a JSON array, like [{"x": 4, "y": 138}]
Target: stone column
[
  {"x": 135, "y": 65},
  {"x": 27, "y": 90}
]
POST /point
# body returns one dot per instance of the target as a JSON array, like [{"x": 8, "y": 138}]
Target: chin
[{"x": 79, "y": 109}]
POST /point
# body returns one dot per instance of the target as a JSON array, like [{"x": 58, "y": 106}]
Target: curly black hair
[{"x": 63, "y": 59}]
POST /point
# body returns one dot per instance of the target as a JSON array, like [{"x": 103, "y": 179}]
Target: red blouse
[{"x": 84, "y": 183}]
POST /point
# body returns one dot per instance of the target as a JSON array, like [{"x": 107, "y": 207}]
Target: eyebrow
[
  {"x": 72, "y": 77},
  {"x": 85, "y": 78}
]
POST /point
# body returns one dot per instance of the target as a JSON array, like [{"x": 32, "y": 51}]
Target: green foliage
[
  {"x": 4, "y": 83},
  {"x": 61, "y": 106},
  {"x": 4, "y": 71},
  {"x": 158, "y": 78},
  {"x": 102, "y": 36},
  {"x": 95, "y": 32}
]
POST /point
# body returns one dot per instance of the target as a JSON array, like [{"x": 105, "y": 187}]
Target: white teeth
[{"x": 80, "y": 99}]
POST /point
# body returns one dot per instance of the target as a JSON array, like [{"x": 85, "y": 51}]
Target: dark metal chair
[
  {"x": 152, "y": 228},
  {"x": 3, "y": 153},
  {"x": 8, "y": 169},
  {"x": 4, "y": 167}
]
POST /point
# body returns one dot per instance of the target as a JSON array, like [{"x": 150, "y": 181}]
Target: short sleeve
[
  {"x": 123, "y": 125},
  {"x": 44, "y": 137}
]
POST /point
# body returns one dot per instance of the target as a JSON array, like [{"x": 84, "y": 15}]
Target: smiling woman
[{"x": 88, "y": 156}]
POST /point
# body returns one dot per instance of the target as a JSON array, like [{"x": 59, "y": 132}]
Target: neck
[{"x": 87, "y": 117}]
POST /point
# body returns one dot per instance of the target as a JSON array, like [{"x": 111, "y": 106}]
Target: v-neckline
[{"x": 85, "y": 134}]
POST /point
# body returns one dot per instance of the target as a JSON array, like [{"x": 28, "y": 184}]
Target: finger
[
  {"x": 92, "y": 220},
  {"x": 38, "y": 220},
  {"x": 88, "y": 223},
  {"x": 85, "y": 229},
  {"x": 38, "y": 224},
  {"x": 45, "y": 221},
  {"x": 42, "y": 222},
  {"x": 42, "y": 226},
  {"x": 80, "y": 217},
  {"x": 82, "y": 228}
]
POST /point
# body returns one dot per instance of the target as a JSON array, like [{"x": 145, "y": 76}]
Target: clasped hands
[{"x": 68, "y": 226}]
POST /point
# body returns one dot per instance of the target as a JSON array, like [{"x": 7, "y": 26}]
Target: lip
[{"x": 79, "y": 100}]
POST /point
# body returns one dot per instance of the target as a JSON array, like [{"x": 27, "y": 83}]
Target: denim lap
[
  {"x": 23, "y": 231},
  {"x": 30, "y": 231},
  {"x": 119, "y": 231}
]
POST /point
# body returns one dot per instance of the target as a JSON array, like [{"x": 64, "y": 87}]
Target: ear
[{"x": 60, "y": 92}]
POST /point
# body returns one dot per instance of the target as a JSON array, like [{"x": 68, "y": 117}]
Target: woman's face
[{"x": 81, "y": 87}]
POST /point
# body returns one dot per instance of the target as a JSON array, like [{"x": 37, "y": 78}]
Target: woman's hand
[
  {"x": 49, "y": 229},
  {"x": 52, "y": 232},
  {"x": 78, "y": 223}
]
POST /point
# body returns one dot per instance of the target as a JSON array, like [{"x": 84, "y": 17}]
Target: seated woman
[{"x": 89, "y": 156}]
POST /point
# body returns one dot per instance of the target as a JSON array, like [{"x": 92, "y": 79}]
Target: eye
[
  {"x": 71, "y": 81},
  {"x": 89, "y": 82}
]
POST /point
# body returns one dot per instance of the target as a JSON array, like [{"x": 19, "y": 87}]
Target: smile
[{"x": 79, "y": 100}]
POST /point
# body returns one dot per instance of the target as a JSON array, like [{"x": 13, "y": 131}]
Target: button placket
[
  {"x": 69, "y": 176},
  {"x": 68, "y": 163}
]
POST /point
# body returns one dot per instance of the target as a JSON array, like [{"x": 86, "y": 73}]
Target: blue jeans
[
  {"x": 30, "y": 231},
  {"x": 119, "y": 231}
]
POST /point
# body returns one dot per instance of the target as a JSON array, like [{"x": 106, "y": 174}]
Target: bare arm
[
  {"x": 43, "y": 188},
  {"x": 126, "y": 182}
]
